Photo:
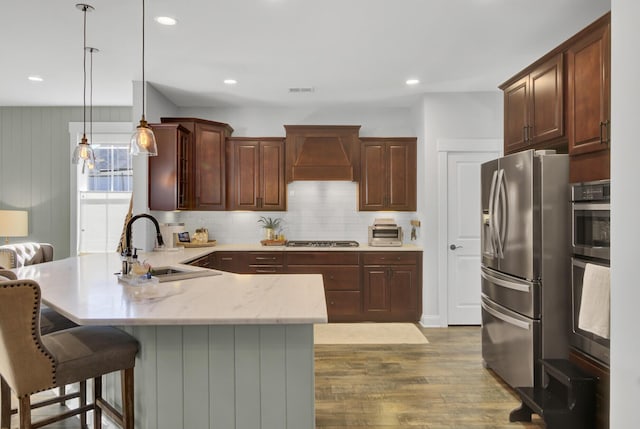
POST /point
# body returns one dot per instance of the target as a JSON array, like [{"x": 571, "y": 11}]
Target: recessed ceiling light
[
  {"x": 165, "y": 20},
  {"x": 35, "y": 78},
  {"x": 230, "y": 81},
  {"x": 412, "y": 81}
]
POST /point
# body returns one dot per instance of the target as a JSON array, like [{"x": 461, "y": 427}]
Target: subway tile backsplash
[{"x": 317, "y": 210}]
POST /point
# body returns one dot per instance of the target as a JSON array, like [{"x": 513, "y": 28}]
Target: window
[{"x": 102, "y": 194}]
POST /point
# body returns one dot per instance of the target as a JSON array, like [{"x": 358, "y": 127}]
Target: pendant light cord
[
  {"x": 84, "y": 72},
  {"x": 91, "y": 97},
  {"x": 143, "y": 118}
]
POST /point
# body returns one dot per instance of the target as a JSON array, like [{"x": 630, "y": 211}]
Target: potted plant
[{"x": 270, "y": 225}]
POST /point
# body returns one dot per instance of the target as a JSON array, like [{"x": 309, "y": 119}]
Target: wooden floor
[{"x": 440, "y": 385}]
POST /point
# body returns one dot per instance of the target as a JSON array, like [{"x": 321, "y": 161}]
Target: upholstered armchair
[{"x": 21, "y": 254}]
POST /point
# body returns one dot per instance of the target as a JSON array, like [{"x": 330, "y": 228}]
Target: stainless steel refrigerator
[{"x": 526, "y": 280}]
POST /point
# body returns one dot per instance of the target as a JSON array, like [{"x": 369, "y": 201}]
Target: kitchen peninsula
[{"x": 227, "y": 350}]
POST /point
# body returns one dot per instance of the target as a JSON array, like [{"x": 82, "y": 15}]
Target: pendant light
[
  {"x": 143, "y": 141},
  {"x": 83, "y": 151}
]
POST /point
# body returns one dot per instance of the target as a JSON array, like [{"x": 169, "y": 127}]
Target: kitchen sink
[{"x": 169, "y": 274}]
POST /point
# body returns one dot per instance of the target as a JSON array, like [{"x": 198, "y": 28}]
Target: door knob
[{"x": 454, "y": 247}]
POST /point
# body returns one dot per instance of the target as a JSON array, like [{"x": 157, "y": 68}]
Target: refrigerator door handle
[
  {"x": 502, "y": 236},
  {"x": 492, "y": 195},
  {"x": 507, "y": 319},
  {"x": 505, "y": 283},
  {"x": 500, "y": 203}
]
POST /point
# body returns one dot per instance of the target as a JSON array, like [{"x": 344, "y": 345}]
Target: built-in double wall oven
[{"x": 591, "y": 240}]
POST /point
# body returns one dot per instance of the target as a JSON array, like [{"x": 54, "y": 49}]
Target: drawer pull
[{"x": 265, "y": 258}]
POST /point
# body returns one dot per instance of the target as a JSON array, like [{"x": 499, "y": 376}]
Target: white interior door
[{"x": 463, "y": 236}]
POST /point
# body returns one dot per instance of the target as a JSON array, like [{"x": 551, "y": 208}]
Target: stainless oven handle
[
  {"x": 505, "y": 283},
  {"x": 592, "y": 206},
  {"x": 578, "y": 263},
  {"x": 508, "y": 319}
]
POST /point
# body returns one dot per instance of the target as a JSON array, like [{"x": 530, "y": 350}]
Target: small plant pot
[{"x": 269, "y": 234}]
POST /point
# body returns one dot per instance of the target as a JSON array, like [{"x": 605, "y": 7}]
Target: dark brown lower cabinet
[
  {"x": 391, "y": 293},
  {"x": 359, "y": 286},
  {"x": 341, "y": 276}
]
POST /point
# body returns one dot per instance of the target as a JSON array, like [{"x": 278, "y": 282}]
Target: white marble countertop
[{"x": 86, "y": 290}]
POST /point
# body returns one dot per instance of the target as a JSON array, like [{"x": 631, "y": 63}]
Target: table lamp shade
[{"x": 14, "y": 223}]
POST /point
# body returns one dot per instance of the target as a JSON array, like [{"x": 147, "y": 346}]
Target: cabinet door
[
  {"x": 170, "y": 178},
  {"x": 210, "y": 168},
  {"x": 272, "y": 181},
  {"x": 377, "y": 293},
  {"x": 256, "y": 175},
  {"x": 546, "y": 113},
  {"x": 589, "y": 66},
  {"x": 403, "y": 294},
  {"x": 373, "y": 181},
  {"x": 388, "y": 174},
  {"x": 516, "y": 114},
  {"x": 401, "y": 173},
  {"x": 244, "y": 174}
]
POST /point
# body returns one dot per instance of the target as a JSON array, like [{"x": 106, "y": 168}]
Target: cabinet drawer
[
  {"x": 207, "y": 261},
  {"x": 323, "y": 258},
  {"x": 232, "y": 262},
  {"x": 391, "y": 258},
  {"x": 265, "y": 258},
  {"x": 265, "y": 269},
  {"x": 343, "y": 303},
  {"x": 334, "y": 277}
]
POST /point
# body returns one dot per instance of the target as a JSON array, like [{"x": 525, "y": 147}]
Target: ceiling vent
[{"x": 302, "y": 89}]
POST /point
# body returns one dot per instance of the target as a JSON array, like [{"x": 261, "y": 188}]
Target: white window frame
[{"x": 75, "y": 133}]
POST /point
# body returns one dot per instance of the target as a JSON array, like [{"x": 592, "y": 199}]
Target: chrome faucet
[{"x": 128, "y": 249}]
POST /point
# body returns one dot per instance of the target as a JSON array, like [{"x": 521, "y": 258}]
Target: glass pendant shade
[
  {"x": 84, "y": 153},
  {"x": 143, "y": 141}
]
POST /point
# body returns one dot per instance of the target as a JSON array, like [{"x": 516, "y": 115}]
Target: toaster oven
[{"x": 385, "y": 233}]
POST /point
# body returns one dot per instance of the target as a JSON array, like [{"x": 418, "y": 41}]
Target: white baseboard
[{"x": 432, "y": 321}]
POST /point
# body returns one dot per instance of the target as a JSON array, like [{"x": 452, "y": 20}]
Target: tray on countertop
[
  {"x": 273, "y": 242},
  {"x": 209, "y": 243}
]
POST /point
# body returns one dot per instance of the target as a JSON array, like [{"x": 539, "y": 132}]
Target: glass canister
[{"x": 201, "y": 235}]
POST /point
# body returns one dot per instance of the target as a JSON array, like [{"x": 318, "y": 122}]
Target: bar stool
[
  {"x": 31, "y": 362},
  {"x": 50, "y": 320}
]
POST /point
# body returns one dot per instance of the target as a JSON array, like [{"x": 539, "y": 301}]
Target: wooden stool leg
[
  {"x": 62, "y": 390},
  {"x": 24, "y": 408},
  {"x": 97, "y": 411},
  {"x": 83, "y": 402},
  {"x": 127, "y": 398},
  {"x": 5, "y": 398}
]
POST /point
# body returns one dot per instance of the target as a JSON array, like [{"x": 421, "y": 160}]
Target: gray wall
[
  {"x": 35, "y": 166},
  {"x": 625, "y": 228}
]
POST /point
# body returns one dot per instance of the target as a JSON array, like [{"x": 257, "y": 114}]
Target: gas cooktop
[{"x": 321, "y": 243}]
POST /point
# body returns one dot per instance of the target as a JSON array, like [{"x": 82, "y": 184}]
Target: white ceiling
[{"x": 349, "y": 51}]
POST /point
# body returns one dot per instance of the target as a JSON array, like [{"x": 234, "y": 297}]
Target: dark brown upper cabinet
[
  {"x": 322, "y": 152},
  {"x": 255, "y": 176},
  {"x": 170, "y": 173},
  {"x": 534, "y": 106},
  {"x": 589, "y": 67},
  {"x": 589, "y": 94},
  {"x": 388, "y": 174},
  {"x": 209, "y": 171}
]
